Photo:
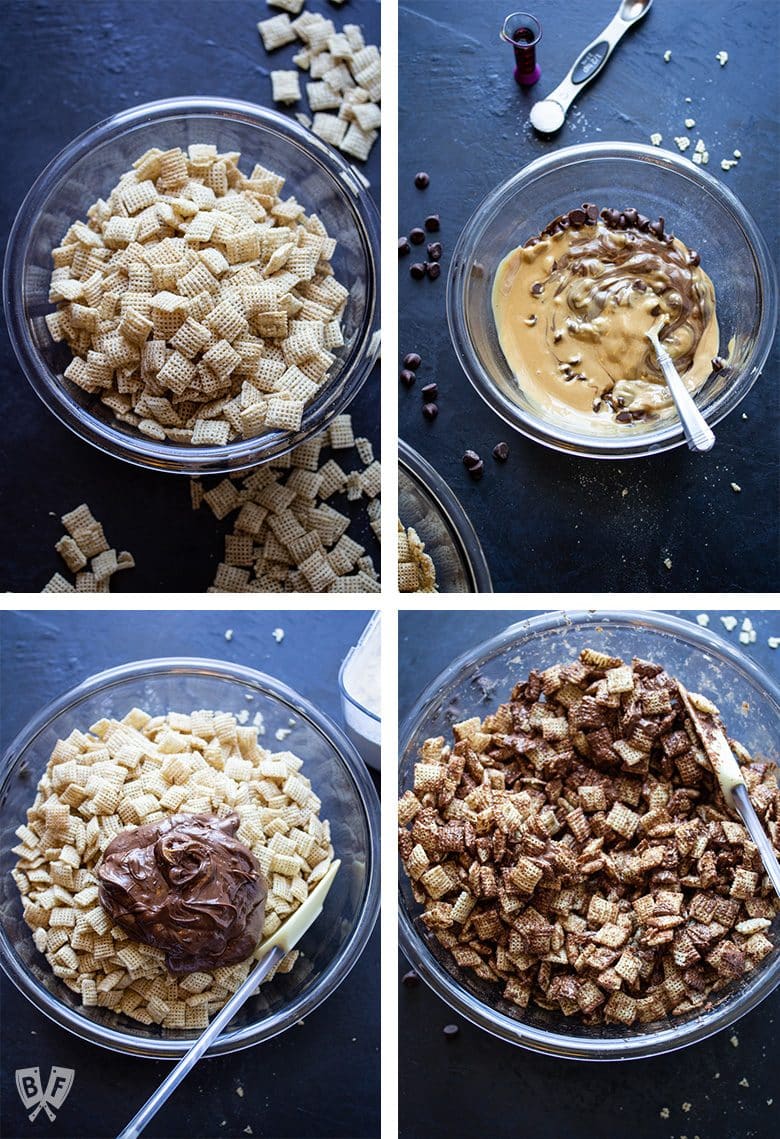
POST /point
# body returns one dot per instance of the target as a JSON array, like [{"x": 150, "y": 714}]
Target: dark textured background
[
  {"x": 548, "y": 520},
  {"x": 475, "y": 1085},
  {"x": 320, "y": 1080},
  {"x": 66, "y": 66}
]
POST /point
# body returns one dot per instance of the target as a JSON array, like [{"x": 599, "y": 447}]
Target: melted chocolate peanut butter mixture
[
  {"x": 572, "y": 307},
  {"x": 187, "y": 886}
]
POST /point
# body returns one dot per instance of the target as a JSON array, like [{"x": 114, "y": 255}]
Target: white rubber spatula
[
  {"x": 272, "y": 950},
  {"x": 732, "y": 784}
]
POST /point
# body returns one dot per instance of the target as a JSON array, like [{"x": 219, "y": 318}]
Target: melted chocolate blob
[{"x": 186, "y": 885}]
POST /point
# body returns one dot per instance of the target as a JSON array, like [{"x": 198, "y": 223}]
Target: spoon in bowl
[
  {"x": 699, "y": 434},
  {"x": 272, "y": 950}
]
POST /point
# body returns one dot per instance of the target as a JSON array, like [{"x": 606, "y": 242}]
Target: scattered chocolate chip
[
  {"x": 536, "y": 289},
  {"x": 407, "y": 377},
  {"x": 430, "y": 392},
  {"x": 430, "y": 411},
  {"x": 477, "y": 471},
  {"x": 433, "y": 223},
  {"x": 433, "y": 269},
  {"x": 417, "y": 270},
  {"x": 412, "y": 360},
  {"x": 693, "y": 258},
  {"x": 577, "y": 217},
  {"x": 421, "y": 180},
  {"x": 450, "y": 1030},
  {"x": 403, "y": 246},
  {"x": 501, "y": 452},
  {"x": 417, "y": 236},
  {"x": 410, "y": 979},
  {"x": 623, "y": 417},
  {"x": 718, "y": 363},
  {"x": 434, "y": 251},
  {"x": 470, "y": 459}
]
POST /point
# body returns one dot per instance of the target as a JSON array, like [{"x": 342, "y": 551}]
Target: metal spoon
[
  {"x": 699, "y": 434},
  {"x": 273, "y": 950},
  {"x": 732, "y": 784},
  {"x": 548, "y": 116}
]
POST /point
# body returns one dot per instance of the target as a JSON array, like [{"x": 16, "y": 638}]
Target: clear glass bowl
[
  {"x": 91, "y": 165},
  {"x": 697, "y": 208},
  {"x": 426, "y": 503},
  {"x": 750, "y": 704},
  {"x": 329, "y": 949}
]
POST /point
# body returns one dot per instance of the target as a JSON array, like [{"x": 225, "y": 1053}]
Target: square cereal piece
[
  {"x": 623, "y": 820},
  {"x": 620, "y": 679},
  {"x": 276, "y": 32},
  {"x": 285, "y": 414},
  {"x": 340, "y": 433},
  {"x": 71, "y": 554},
  {"x": 58, "y": 584},
  {"x": 330, "y": 128},
  {"x": 291, "y": 6},
  {"x": 285, "y": 87},
  {"x": 210, "y": 432},
  {"x": 357, "y": 143},
  {"x": 367, "y": 116}
]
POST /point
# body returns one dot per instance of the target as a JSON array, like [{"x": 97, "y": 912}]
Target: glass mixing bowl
[
  {"x": 701, "y": 211},
  {"x": 750, "y": 704},
  {"x": 91, "y": 165},
  {"x": 426, "y": 503},
  {"x": 337, "y": 938}
]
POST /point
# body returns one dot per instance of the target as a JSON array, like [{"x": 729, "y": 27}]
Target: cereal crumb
[
  {"x": 278, "y": 635},
  {"x": 737, "y": 153},
  {"x": 686, "y": 1106},
  {"x": 703, "y": 620},
  {"x": 664, "y": 1113},
  {"x": 769, "y": 1102},
  {"x": 773, "y": 642},
  {"x": 690, "y": 123},
  {"x": 716, "y": 1076},
  {"x": 730, "y": 624},
  {"x": 743, "y": 1083},
  {"x": 688, "y": 99},
  {"x": 228, "y": 634},
  {"x": 248, "y": 1130},
  {"x": 683, "y": 142},
  {"x": 747, "y": 634},
  {"x": 736, "y": 487},
  {"x": 668, "y": 563},
  {"x": 656, "y": 139},
  {"x": 722, "y": 58},
  {"x": 282, "y": 733},
  {"x": 744, "y": 415},
  {"x": 667, "y": 56},
  {"x": 728, "y": 163},
  {"x": 240, "y": 1091},
  {"x": 733, "y": 1040}
]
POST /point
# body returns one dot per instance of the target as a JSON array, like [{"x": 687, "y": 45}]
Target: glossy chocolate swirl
[{"x": 186, "y": 885}]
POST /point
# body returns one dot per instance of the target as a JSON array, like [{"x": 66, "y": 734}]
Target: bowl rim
[
  {"x": 517, "y": 1032},
  {"x": 138, "y": 449},
  {"x": 74, "y": 1020},
  {"x": 432, "y": 483},
  {"x": 547, "y": 432}
]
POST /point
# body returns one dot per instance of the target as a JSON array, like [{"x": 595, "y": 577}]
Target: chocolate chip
[
  {"x": 417, "y": 236},
  {"x": 577, "y": 217},
  {"x": 631, "y": 215},
  {"x": 718, "y": 363},
  {"x": 536, "y": 289},
  {"x": 623, "y": 417},
  {"x": 417, "y": 270},
  {"x": 477, "y": 471},
  {"x": 693, "y": 258},
  {"x": 470, "y": 459},
  {"x": 407, "y": 377},
  {"x": 531, "y": 242},
  {"x": 657, "y": 227},
  {"x": 421, "y": 180},
  {"x": 433, "y": 269},
  {"x": 412, "y": 360},
  {"x": 620, "y": 401},
  {"x": 640, "y": 286},
  {"x": 622, "y": 222},
  {"x": 429, "y": 392},
  {"x": 642, "y": 222},
  {"x": 403, "y": 246},
  {"x": 611, "y": 216},
  {"x": 410, "y": 979},
  {"x": 637, "y": 415},
  {"x": 430, "y": 411},
  {"x": 592, "y": 212},
  {"x": 597, "y": 405},
  {"x": 433, "y": 223},
  {"x": 450, "y": 1030},
  {"x": 501, "y": 452},
  {"x": 434, "y": 251}
]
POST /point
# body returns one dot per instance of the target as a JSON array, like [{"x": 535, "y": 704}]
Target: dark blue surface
[
  {"x": 66, "y": 67},
  {"x": 545, "y": 520},
  {"x": 317, "y": 1080},
  {"x": 474, "y": 1085}
]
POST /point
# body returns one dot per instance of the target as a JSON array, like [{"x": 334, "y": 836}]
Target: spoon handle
[
  {"x": 758, "y": 835},
  {"x": 201, "y": 1045},
  {"x": 699, "y": 434}
]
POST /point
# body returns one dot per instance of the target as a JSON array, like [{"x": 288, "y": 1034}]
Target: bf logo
[{"x": 28, "y": 1084}]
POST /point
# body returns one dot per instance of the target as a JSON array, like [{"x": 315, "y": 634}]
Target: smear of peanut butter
[{"x": 572, "y": 310}]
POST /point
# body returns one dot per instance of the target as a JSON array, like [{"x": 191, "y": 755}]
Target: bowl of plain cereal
[
  {"x": 213, "y": 773},
  {"x": 566, "y": 266},
  {"x": 574, "y": 879},
  {"x": 192, "y": 285}
]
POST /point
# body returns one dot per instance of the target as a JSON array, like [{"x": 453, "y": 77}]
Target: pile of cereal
[
  {"x": 346, "y": 89},
  {"x": 416, "y": 571},
  {"x": 199, "y": 304},
  {"x": 575, "y": 847},
  {"x": 85, "y": 540},
  {"x": 136, "y": 771}
]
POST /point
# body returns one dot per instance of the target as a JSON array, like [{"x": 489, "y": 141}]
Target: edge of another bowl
[
  {"x": 138, "y": 449},
  {"x": 679, "y": 1034},
  {"x": 74, "y": 1020},
  {"x": 547, "y": 432}
]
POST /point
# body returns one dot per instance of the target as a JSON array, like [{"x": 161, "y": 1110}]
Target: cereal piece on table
[
  {"x": 276, "y": 32},
  {"x": 357, "y": 143},
  {"x": 71, "y": 554},
  {"x": 285, "y": 87},
  {"x": 58, "y": 584},
  {"x": 330, "y": 128}
]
